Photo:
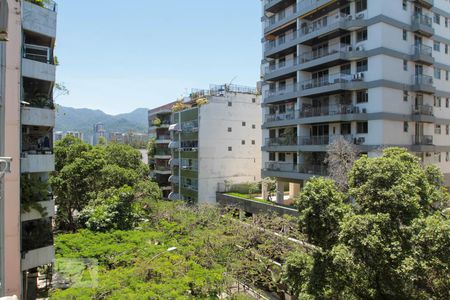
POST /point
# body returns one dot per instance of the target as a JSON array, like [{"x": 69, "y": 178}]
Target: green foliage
[
  {"x": 391, "y": 242},
  {"x": 156, "y": 122},
  {"x": 33, "y": 190},
  {"x": 179, "y": 106},
  {"x": 151, "y": 148},
  {"x": 84, "y": 172}
]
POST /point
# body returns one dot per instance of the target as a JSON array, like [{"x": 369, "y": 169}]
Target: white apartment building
[
  {"x": 373, "y": 71},
  {"x": 216, "y": 142}
]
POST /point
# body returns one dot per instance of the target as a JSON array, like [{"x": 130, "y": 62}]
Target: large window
[
  {"x": 361, "y": 66},
  {"x": 361, "y": 5},
  {"x": 362, "y": 127},
  {"x": 362, "y": 96},
  {"x": 361, "y": 35}
]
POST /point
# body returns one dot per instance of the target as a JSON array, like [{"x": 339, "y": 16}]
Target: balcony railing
[
  {"x": 422, "y": 79},
  {"x": 281, "y": 66},
  {"x": 280, "y": 117},
  {"x": 38, "y": 53},
  {"x": 426, "y": 110},
  {"x": 47, "y": 4},
  {"x": 422, "y": 19},
  {"x": 162, "y": 152},
  {"x": 337, "y": 109},
  {"x": 324, "y": 52},
  {"x": 291, "y": 88},
  {"x": 331, "y": 79},
  {"x": 163, "y": 137},
  {"x": 282, "y": 141},
  {"x": 423, "y": 139},
  {"x": 312, "y": 27},
  {"x": 322, "y": 139},
  {"x": 280, "y": 16},
  {"x": 162, "y": 168},
  {"x": 421, "y": 49},
  {"x": 297, "y": 168},
  {"x": 281, "y": 40}
]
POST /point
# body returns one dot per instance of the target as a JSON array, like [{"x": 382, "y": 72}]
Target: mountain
[{"x": 83, "y": 119}]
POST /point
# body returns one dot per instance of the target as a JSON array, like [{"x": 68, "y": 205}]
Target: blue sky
[{"x": 120, "y": 55}]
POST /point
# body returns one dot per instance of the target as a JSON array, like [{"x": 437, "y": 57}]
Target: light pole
[{"x": 161, "y": 253}]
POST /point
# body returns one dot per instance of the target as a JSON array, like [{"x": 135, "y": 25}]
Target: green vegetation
[
  {"x": 33, "y": 190},
  {"x": 388, "y": 238}
]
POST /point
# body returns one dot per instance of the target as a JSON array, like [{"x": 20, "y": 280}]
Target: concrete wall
[
  {"x": 38, "y": 257},
  {"x": 216, "y": 163},
  {"x": 38, "y": 116},
  {"x": 12, "y": 284},
  {"x": 38, "y": 19},
  {"x": 38, "y": 70},
  {"x": 38, "y": 163}
]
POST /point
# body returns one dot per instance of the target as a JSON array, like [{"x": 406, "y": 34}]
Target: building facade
[
  {"x": 29, "y": 78},
  {"x": 158, "y": 123},
  {"x": 375, "y": 72},
  {"x": 99, "y": 132},
  {"x": 216, "y": 140}
]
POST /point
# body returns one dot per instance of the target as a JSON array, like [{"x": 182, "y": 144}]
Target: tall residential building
[
  {"x": 158, "y": 124},
  {"x": 59, "y": 135},
  {"x": 98, "y": 132},
  {"x": 373, "y": 71},
  {"x": 215, "y": 141},
  {"x": 28, "y": 78}
]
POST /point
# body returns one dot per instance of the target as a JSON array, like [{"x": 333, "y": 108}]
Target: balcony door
[
  {"x": 418, "y": 101},
  {"x": 320, "y": 106},
  {"x": 418, "y": 40},
  {"x": 419, "y": 129}
]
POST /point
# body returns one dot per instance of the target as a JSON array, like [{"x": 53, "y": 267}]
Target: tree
[
  {"x": 341, "y": 155},
  {"x": 151, "y": 148},
  {"x": 388, "y": 243}
]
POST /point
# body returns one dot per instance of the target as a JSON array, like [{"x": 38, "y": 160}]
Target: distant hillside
[{"x": 83, "y": 119}]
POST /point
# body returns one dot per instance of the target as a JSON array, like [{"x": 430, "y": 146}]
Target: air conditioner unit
[
  {"x": 360, "y": 48},
  {"x": 360, "y": 16},
  {"x": 361, "y": 140},
  {"x": 364, "y": 110},
  {"x": 360, "y": 76}
]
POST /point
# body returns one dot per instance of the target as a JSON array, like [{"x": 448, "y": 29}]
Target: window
[
  {"x": 439, "y": 157},
  {"x": 405, "y": 65},
  {"x": 281, "y": 157},
  {"x": 229, "y": 103},
  {"x": 362, "y": 127},
  {"x": 405, "y": 5},
  {"x": 361, "y": 66},
  {"x": 229, "y": 129},
  {"x": 405, "y": 35},
  {"x": 446, "y": 48},
  {"x": 253, "y": 142},
  {"x": 405, "y": 126},
  {"x": 437, "y": 129},
  {"x": 243, "y": 124},
  {"x": 447, "y": 156},
  {"x": 362, "y": 96},
  {"x": 361, "y": 35},
  {"x": 272, "y": 156},
  {"x": 405, "y": 96},
  {"x": 437, "y": 73},
  {"x": 253, "y": 126},
  {"x": 243, "y": 142},
  {"x": 437, "y": 18},
  {"x": 437, "y": 101},
  {"x": 447, "y": 102},
  {"x": 437, "y": 46},
  {"x": 230, "y": 148},
  {"x": 253, "y": 100},
  {"x": 361, "y": 5},
  {"x": 346, "y": 69},
  {"x": 447, "y": 129}
]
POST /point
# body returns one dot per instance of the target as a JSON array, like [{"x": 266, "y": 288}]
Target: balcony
[
  {"x": 162, "y": 169},
  {"x": 423, "y": 113},
  {"x": 281, "y": 70},
  {"x": 331, "y": 110},
  {"x": 276, "y": 5},
  {"x": 189, "y": 127},
  {"x": 314, "y": 140},
  {"x": 295, "y": 171},
  {"x": 423, "y": 83},
  {"x": 163, "y": 139},
  {"x": 37, "y": 243},
  {"x": 37, "y": 163},
  {"x": 38, "y": 257},
  {"x": 422, "y": 140},
  {"x": 422, "y": 54},
  {"x": 174, "y": 162},
  {"x": 422, "y": 24},
  {"x": 281, "y": 93},
  {"x": 163, "y": 153},
  {"x": 38, "y": 70},
  {"x": 331, "y": 84},
  {"x": 37, "y": 116},
  {"x": 174, "y": 179},
  {"x": 280, "y": 117},
  {"x": 281, "y": 141},
  {"x": 312, "y": 9},
  {"x": 40, "y": 18},
  {"x": 48, "y": 209},
  {"x": 282, "y": 18}
]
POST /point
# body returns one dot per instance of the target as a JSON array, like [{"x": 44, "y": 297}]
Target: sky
[{"x": 121, "y": 55}]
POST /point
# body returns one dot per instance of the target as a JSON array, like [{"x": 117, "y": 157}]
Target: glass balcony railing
[
  {"x": 287, "y": 89},
  {"x": 281, "y": 16},
  {"x": 422, "y": 19},
  {"x": 330, "y": 80},
  {"x": 419, "y": 50},
  {"x": 338, "y": 109},
  {"x": 422, "y": 79},
  {"x": 282, "y": 141},
  {"x": 289, "y": 63},
  {"x": 321, "y": 170},
  {"x": 423, "y": 139}
]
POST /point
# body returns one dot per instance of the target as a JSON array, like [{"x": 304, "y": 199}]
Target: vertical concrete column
[
  {"x": 294, "y": 190},
  {"x": 280, "y": 192},
  {"x": 264, "y": 191}
]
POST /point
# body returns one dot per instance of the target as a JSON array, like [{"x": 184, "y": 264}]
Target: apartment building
[
  {"x": 158, "y": 122},
  {"x": 375, "y": 72},
  {"x": 215, "y": 139},
  {"x": 27, "y": 86},
  {"x": 59, "y": 135},
  {"x": 99, "y": 132}
]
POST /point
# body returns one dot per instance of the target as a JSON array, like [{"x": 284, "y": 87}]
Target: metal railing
[
  {"x": 162, "y": 168},
  {"x": 325, "y": 51},
  {"x": 422, "y": 19},
  {"x": 37, "y": 53},
  {"x": 282, "y": 141},
  {"x": 280, "y": 117},
  {"x": 337, "y": 109},
  {"x": 423, "y": 139},
  {"x": 325, "y": 22},
  {"x": 321, "y": 170},
  {"x": 423, "y": 110},
  {"x": 280, "y": 66},
  {"x": 331, "y": 79},
  {"x": 421, "y": 49},
  {"x": 322, "y": 139},
  {"x": 290, "y": 88},
  {"x": 422, "y": 79},
  {"x": 280, "y": 16},
  {"x": 163, "y": 152}
]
